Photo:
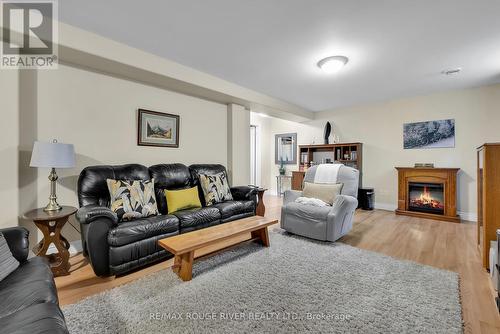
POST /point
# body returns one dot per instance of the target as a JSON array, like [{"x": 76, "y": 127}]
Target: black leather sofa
[
  {"x": 114, "y": 248},
  {"x": 28, "y": 296}
]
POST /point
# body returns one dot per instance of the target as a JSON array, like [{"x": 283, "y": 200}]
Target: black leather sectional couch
[
  {"x": 114, "y": 248},
  {"x": 28, "y": 296}
]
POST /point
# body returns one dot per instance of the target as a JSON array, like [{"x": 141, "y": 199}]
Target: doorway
[{"x": 254, "y": 155}]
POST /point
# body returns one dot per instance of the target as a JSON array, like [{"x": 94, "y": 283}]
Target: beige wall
[
  {"x": 379, "y": 127},
  {"x": 98, "y": 114},
  {"x": 18, "y": 128},
  {"x": 9, "y": 105},
  {"x": 238, "y": 143}
]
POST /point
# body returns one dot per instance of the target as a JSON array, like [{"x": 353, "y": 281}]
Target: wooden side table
[
  {"x": 260, "y": 210},
  {"x": 51, "y": 224}
]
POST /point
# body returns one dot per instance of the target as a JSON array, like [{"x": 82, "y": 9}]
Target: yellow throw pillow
[
  {"x": 325, "y": 192},
  {"x": 182, "y": 199}
]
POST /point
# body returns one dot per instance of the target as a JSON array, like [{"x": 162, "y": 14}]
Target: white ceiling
[{"x": 396, "y": 47}]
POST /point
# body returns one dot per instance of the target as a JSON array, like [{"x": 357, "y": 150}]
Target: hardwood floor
[{"x": 443, "y": 245}]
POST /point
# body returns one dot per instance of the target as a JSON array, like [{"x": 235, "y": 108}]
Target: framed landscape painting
[
  {"x": 157, "y": 129},
  {"x": 432, "y": 134}
]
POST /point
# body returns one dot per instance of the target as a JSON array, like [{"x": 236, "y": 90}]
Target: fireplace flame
[{"x": 425, "y": 199}]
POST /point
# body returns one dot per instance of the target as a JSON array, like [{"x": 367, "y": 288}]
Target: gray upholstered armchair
[{"x": 322, "y": 223}]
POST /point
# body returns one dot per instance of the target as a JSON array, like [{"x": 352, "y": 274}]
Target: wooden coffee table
[{"x": 183, "y": 246}]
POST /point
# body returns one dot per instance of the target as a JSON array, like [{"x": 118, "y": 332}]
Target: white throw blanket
[
  {"x": 311, "y": 201},
  {"x": 327, "y": 173}
]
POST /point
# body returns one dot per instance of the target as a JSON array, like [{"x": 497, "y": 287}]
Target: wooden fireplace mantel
[{"x": 445, "y": 176}]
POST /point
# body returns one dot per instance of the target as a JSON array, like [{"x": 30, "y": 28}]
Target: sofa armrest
[
  {"x": 244, "y": 193},
  {"x": 18, "y": 241},
  {"x": 96, "y": 221},
  {"x": 95, "y": 239},
  {"x": 89, "y": 213},
  {"x": 290, "y": 196}
]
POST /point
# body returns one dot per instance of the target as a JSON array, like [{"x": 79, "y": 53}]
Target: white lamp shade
[{"x": 52, "y": 155}]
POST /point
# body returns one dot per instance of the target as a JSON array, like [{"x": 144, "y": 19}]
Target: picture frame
[
  {"x": 429, "y": 134},
  {"x": 157, "y": 129},
  {"x": 285, "y": 149}
]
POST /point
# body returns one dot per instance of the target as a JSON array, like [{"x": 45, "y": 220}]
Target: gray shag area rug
[{"x": 297, "y": 285}]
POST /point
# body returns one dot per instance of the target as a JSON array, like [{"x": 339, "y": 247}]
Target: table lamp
[{"x": 52, "y": 155}]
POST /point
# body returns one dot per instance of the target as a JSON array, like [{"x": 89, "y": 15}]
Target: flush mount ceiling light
[
  {"x": 451, "y": 71},
  {"x": 332, "y": 64}
]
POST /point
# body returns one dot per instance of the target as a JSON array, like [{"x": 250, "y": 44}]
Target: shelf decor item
[
  {"x": 328, "y": 130},
  {"x": 424, "y": 165},
  {"x": 303, "y": 158},
  {"x": 52, "y": 155},
  {"x": 157, "y": 129},
  {"x": 282, "y": 168}
]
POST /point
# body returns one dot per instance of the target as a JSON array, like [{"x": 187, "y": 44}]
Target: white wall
[{"x": 379, "y": 127}]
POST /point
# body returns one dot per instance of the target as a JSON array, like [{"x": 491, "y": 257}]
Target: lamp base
[{"x": 53, "y": 205}]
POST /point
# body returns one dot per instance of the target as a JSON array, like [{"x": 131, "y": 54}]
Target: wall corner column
[{"x": 238, "y": 144}]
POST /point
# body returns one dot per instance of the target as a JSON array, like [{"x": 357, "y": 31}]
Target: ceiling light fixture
[
  {"x": 452, "y": 71},
  {"x": 332, "y": 64}
]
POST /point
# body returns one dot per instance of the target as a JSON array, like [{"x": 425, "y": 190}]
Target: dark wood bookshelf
[{"x": 349, "y": 154}]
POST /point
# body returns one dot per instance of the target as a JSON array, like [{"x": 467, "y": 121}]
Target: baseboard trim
[
  {"x": 385, "y": 206},
  {"x": 468, "y": 216},
  {"x": 74, "y": 248}
]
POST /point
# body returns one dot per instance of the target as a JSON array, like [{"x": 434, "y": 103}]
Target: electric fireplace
[
  {"x": 428, "y": 193},
  {"x": 426, "y": 197}
]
